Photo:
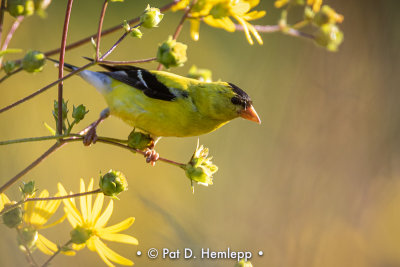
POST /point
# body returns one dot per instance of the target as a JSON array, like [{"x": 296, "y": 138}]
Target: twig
[
  {"x": 61, "y": 66},
  {"x": 55, "y": 254},
  {"x": 128, "y": 62},
  {"x": 114, "y": 46},
  {"x": 2, "y": 9},
  {"x": 107, "y": 31},
  {"x": 46, "y": 87},
  {"x": 10, "y": 34},
  {"x": 29, "y": 256},
  {"x": 52, "y": 149},
  {"x": 33, "y": 139},
  {"x": 102, "y": 14},
  {"x": 5, "y": 77},
  {"x": 8, "y": 208}
]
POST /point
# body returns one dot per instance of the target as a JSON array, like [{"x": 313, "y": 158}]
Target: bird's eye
[{"x": 236, "y": 101}]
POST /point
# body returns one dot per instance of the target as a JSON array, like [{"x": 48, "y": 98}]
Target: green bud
[
  {"x": 244, "y": 263},
  {"x": 33, "y": 61},
  {"x": 79, "y": 112},
  {"x": 28, "y": 189},
  {"x": 151, "y": 17},
  {"x": 41, "y": 6},
  {"x": 136, "y": 33},
  {"x": 139, "y": 140},
  {"x": 203, "y": 75},
  {"x": 80, "y": 235},
  {"x": 172, "y": 53},
  {"x": 27, "y": 237},
  {"x": 18, "y": 8},
  {"x": 126, "y": 26},
  {"x": 113, "y": 183},
  {"x": 327, "y": 15},
  {"x": 12, "y": 218},
  {"x": 220, "y": 10},
  {"x": 200, "y": 168},
  {"x": 308, "y": 13},
  {"x": 9, "y": 66},
  {"x": 64, "y": 110},
  {"x": 329, "y": 36}
]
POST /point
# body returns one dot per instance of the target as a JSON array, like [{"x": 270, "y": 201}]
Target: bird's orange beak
[{"x": 250, "y": 114}]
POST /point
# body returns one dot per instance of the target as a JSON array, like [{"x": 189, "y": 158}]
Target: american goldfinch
[{"x": 164, "y": 104}]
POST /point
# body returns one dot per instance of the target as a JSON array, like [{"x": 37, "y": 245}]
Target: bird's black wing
[{"x": 140, "y": 79}]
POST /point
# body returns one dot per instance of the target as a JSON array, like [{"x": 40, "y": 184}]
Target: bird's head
[{"x": 243, "y": 104}]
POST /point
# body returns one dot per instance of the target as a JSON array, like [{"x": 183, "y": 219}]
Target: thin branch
[
  {"x": 102, "y": 14},
  {"x": 61, "y": 66},
  {"x": 8, "y": 208},
  {"x": 46, "y": 87},
  {"x": 129, "y": 62},
  {"x": 52, "y": 149},
  {"x": 34, "y": 139},
  {"x": 29, "y": 256},
  {"x": 2, "y": 10},
  {"x": 55, "y": 254},
  {"x": 5, "y": 77},
  {"x": 278, "y": 28},
  {"x": 107, "y": 31},
  {"x": 114, "y": 46},
  {"x": 10, "y": 34}
]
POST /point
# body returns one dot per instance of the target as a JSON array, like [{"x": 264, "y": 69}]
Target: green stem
[
  {"x": 34, "y": 139},
  {"x": 55, "y": 254},
  {"x": 29, "y": 256}
]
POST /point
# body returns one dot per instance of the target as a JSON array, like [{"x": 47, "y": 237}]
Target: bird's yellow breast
[{"x": 179, "y": 117}]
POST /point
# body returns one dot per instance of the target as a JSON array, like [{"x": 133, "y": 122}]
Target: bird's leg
[
  {"x": 150, "y": 154},
  {"x": 89, "y": 132}
]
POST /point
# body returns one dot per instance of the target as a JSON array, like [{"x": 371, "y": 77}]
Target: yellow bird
[{"x": 165, "y": 104}]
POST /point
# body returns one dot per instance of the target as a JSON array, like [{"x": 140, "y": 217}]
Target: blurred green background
[{"x": 317, "y": 184}]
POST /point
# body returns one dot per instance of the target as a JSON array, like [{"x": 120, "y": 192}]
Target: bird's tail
[{"x": 67, "y": 67}]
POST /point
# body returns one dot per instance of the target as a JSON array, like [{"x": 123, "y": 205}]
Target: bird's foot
[
  {"x": 90, "y": 137},
  {"x": 151, "y": 156}
]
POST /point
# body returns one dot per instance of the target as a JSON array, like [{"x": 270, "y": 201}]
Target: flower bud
[
  {"x": 27, "y": 238},
  {"x": 9, "y": 66},
  {"x": 139, "y": 140},
  {"x": 18, "y": 8},
  {"x": 221, "y": 10},
  {"x": 244, "y": 263},
  {"x": 126, "y": 26},
  {"x": 329, "y": 36},
  {"x": 33, "y": 61},
  {"x": 327, "y": 15},
  {"x": 79, "y": 112},
  {"x": 151, "y": 17},
  {"x": 136, "y": 33},
  {"x": 28, "y": 189},
  {"x": 80, "y": 235},
  {"x": 64, "y": 110},
  {"x": 200, "y": 168},
  {"x": 12, "y": 218},
  {"x": 203, "y": 75},
  {"x": 308, "y": 13},
  {"x": 113, "y": 183},
  {"x": 172, "y": 53},
  {"x": 41, "y": 6}
]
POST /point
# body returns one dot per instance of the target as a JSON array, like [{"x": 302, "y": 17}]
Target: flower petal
[
  {"x": 45, "y": 245},
  {"x": 103, "y": 219},
  {"x": 254, "y": 15},
  {"x": 100, "y": 252},
  {"x": 119, "y": 227},
  {"x": 83, "y": 201},
  {"x": 245, "y": 28},
  {"x": 194, "y": 29},
  {"x": 121, "y": 238},
  {"x": 3, "y": 200},
  {"x": 98, "y": 204},
  {"x": 111, "y": 255},
  {"x": 89, "y": 200},
  {"x": 73, "y": 214}
]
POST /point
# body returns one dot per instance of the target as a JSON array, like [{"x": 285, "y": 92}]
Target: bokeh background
[{"x": 317, "y": 184}]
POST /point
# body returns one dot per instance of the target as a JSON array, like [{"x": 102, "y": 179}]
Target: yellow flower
[
  {"x": 316, "y": 4},
  {"x": 280, "y": 3},
  {"x": 3, "y": 200},
  {"x": 89, "y": 221},
  {"x": 37, "y": 214},
  {"x": 217, "y": 13}
]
